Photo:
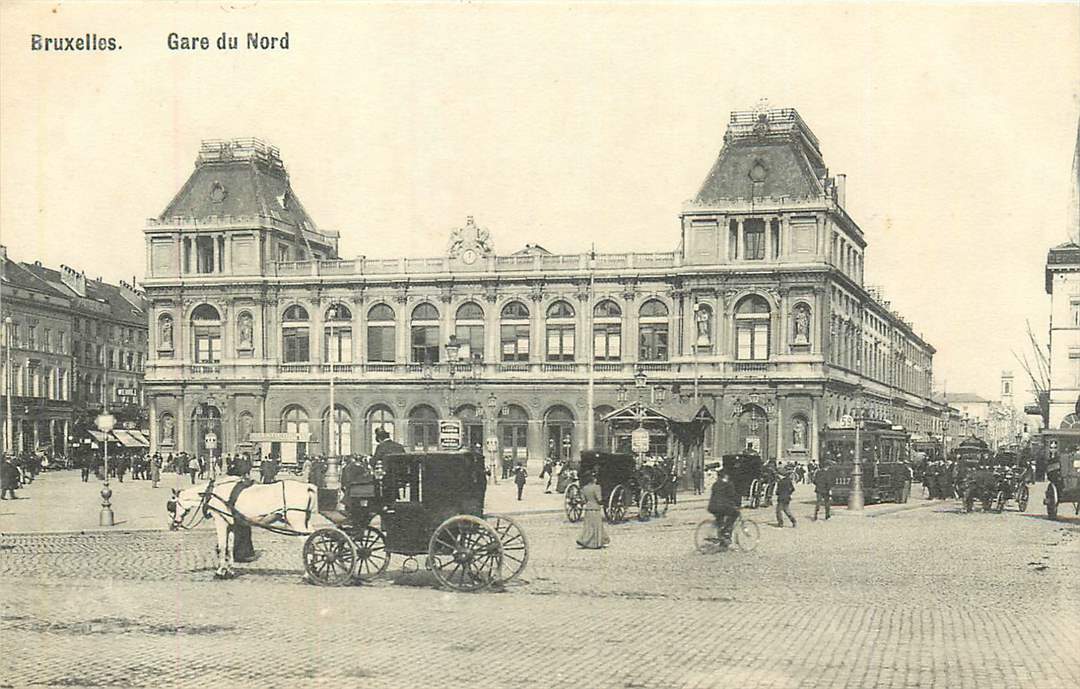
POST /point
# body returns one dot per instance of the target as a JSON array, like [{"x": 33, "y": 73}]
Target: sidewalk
[{"x": 60, "y": 502}]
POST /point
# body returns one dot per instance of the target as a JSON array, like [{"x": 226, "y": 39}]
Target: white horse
[{"x": 286, "y": 507}]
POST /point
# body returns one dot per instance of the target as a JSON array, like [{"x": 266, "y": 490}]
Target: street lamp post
[
  {"x": 855, "y": 497},
  {"x": 8, "y": 444},
  {"x": 491, "y": 443},
  {"x": 105, "y": 424},
  {"x": 332, "y": 479}
]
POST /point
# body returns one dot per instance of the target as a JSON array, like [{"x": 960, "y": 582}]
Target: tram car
[
  {"x": 424, "y": 504},
  {"x": 1062, "y": 470},
  {"x": 884, "y": 455},
  {"x": 624, "y": 488}
]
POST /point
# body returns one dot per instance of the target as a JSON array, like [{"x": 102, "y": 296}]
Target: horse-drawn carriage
[
  {"x": 1062, "y": 469},
  {"x": 426, "y": 504},
  {"x": 429, "y": 505},
  {"x": 992, "y": 480},
  {"x": 751, "y": 479},
  {"x": 623, "y": 486}
]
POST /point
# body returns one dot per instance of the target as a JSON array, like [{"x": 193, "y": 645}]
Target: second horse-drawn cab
[
  {"x": 622, "y": 486},
  {"x": 747, "y": 475},
  {"x": 429, "y": 504}
]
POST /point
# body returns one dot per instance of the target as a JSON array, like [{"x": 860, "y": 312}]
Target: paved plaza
[{"x": 918, "y": 595}]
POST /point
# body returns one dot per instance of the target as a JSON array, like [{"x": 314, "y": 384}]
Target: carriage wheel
[
  {"x": 707, "y": 537},
  {"x": 1022, "y": 497},
  {"x": 574, "y": 504},
  {"x": 616, "y": 509},
  {"x": 755, "y": 494},
  {"x": 330, "y": 557},
  {"x": 746, "y": 534},
  {"x": 465, "y": 554},
  {"x": 1051, "y": 501},
  {"x": 646, "y": 506},
  {"x": 372, "y": 558},
  {"x": 514, "y": 544}
]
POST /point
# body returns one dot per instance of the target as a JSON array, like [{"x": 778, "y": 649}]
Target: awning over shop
[
  {"x": 98, "y": 435},
  {"x": 141, "y": 437},
  {"x": 127, "y": 439}
]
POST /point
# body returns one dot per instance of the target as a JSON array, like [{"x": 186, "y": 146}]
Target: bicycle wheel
[
  {"x": 707, "y": 537},
  {"x": 746, "y": 534}
]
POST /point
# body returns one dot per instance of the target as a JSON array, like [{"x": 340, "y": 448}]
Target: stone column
[
  {"x": 631, "y": 335},
  {"x": 181, "y": 424},
  {"x": 780, "y": 440},
  {"x": 401, "y": 310},
  {"x": 537, "y": 335},
  {"x": 316, "y": 335},
  {"x": 359, "y": 331},
  {"x": 768, "y": 238},
  {"x": 492, "y": 338},
  {"x": 152, "y": 409},
  {"x": 738, "y": 238}
]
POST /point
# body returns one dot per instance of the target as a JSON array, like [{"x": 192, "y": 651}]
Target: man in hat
[
  {"x": 724, "y": 506},
  {"x": 785, "y": 488},
  {"x": 386, "y": 446},
  {"x": 823, "y": 479}
]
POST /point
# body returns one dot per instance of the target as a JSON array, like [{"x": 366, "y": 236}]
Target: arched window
[
  {"x": 381, "y": 328},
  {"x": 560, "y": 332},
  {"x": 653, "y": 331},
  {"x": 382, "y": 417},
  {"x": 514, "y": 332},
  {"x": 513, "y": 426},
  {"x": 559, "y": 432},
  {"x": 295, "y": 335},
  {"x": 423, "y": 429},
  {"x": 472, "y": 437},
  {"x": 337, "y": 335},
  {"x": 206, "y": 334},
  {"x": 607, "y": 331},
  {"x": 294, "y": 419},
  {"x": 425, "y": 334},
  {"x": 752, "y": 315},
  {"x": 469, "y": 329},
  {"x": 337, "y": 438}
]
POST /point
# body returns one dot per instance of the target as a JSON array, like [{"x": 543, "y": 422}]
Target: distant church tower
[{"x": 1007, "y": 388}]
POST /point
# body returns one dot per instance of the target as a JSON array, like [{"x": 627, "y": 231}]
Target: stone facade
[{"x": 761, "y": 316}]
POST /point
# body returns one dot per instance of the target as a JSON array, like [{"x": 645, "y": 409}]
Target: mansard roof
[
  {"x": 238, "y": 178},
  {"x": 773, "y": 147}
]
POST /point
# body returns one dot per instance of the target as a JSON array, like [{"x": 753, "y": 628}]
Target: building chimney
[
  {"x": 74, "y": 280},
  {"x": 841, "y": 190}
]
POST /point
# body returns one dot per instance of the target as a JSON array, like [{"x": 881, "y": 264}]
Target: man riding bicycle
[{"x": 724, "y": 505}]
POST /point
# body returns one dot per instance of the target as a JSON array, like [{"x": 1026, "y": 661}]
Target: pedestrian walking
[
  {"x": 785, "y": 488},
  {"x": 724, "y": 504},
  {"x": 593, "y": 535},
  {"x": 520, "y": 474},
  {"x": 823, "y": 490},
  {"x": 84, "y": 468},
  {"x": 9, "y": 478},
  {"x": 549, "y": 470},
  {"x": 155, "y": 470},
  {"x": 193, "y": 468}
]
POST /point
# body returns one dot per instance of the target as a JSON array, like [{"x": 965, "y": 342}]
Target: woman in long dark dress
[{"x": 593, "y": 535}]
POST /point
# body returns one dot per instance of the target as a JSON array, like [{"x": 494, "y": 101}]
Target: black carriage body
[
  {"x": 611, "y": 469},
  {"x": 884, "y": 455},
  {"x": 1062, "y": 468},
  {"x": 744, "y": 469},
  {"x": 415, "y": 494}
]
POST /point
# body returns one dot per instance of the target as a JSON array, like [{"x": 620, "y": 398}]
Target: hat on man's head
[{"x": 381, "y": 434}]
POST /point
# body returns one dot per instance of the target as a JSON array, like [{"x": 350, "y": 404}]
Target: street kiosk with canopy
[{"x": 676, "y": 432}]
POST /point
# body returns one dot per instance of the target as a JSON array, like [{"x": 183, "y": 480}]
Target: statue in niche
[
  {"x": 244, "y": 329},
  {"x": 801, "y": 320},
  {"x": 703, "y": 320},
  {"x": 798, "y": 433},
  {"x": 245, "y": 427},
  {"x": 168, "y": 430},
  {"x": 165, "y": 336}
]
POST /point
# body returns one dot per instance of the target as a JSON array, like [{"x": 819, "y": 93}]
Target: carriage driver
[
  {"x": 386, "y": 446},
  {"x": 724, "y": 505}
]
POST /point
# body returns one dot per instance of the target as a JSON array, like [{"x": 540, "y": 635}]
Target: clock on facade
[{"x": 469, "y": 256}]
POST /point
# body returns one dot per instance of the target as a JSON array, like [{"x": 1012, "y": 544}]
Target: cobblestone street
[{"x": 918, "y": 595}]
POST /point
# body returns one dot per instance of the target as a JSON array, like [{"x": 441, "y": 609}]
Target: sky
[{"x": 568, "y": 125}]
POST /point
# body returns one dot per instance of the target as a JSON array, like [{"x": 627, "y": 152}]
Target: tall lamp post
[
  {"x": 8, "y": 442},
  {"x": 855, "y": 497},
  {"x": 491, "y": 443},
  {"x": 332, "y": 479},
  {"x": 105, "y": 423}
]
